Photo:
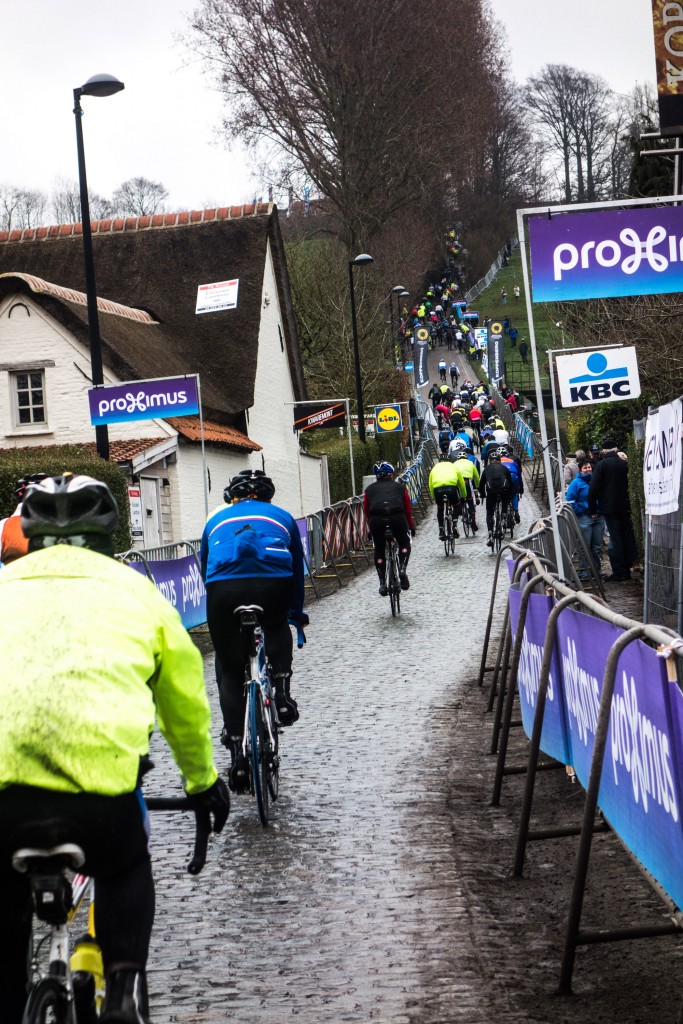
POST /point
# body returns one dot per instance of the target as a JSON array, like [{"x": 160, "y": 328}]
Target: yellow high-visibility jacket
[
  {"x": 444, "y": 474},
  {"x": 91, "y": 651}
]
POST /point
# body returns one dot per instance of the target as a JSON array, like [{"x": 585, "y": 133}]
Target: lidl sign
[
  {"x": 587, "y": 378},
  {"x": 388, "y": 418}
]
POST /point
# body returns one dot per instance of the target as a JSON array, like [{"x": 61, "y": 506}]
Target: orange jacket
[{"x": 13, "y": 544}]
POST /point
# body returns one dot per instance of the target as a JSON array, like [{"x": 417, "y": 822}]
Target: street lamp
[
  {"x": 98, "y": 85},
  {"x": 404, "y": 338},
  {"x": 359, "y": 261}
]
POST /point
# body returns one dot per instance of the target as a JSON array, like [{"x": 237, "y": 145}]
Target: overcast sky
[{"x": 161, "y": 126}]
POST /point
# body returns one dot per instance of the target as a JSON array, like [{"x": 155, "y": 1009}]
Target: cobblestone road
[{"x": 380, "y": 892}]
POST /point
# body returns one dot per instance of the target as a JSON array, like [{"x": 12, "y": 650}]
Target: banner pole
[
  {"x": 558, "y": 445},
  {"x": 201, "y": 432},
  {"x": 559, "y": 561},
  {"x": 348, "y": 431}
]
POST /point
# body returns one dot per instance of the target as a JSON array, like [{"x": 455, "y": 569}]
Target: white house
[{"x": 148, "y": 270}]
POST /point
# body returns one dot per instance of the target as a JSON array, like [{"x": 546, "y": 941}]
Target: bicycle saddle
[
  {"x": 249, "y": 614},
  {"x": 54, "y": 858}
]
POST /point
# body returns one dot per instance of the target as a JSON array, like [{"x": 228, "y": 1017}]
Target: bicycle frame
[{"x": 257, "y": 673}]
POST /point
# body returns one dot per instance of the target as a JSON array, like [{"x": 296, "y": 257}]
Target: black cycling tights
[
  {"x": 112, "y": 832},
  {"x": 275, "y": 594}
]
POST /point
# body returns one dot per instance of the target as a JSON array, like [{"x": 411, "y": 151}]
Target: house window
[{"x": 29, "y": 398}]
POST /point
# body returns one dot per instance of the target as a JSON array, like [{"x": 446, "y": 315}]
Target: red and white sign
[{"x": 212, "y": 298}]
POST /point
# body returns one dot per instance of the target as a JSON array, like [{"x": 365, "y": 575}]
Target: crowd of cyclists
[{"x": 467, "y": 422}]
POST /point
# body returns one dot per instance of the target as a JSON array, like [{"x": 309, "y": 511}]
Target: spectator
[
  {"x": 608, "y": 493},
  {"x": 571, "y": 466},
  {"x": 515, "y": 292},
  {"x": 592, "y": 525},
  {"x": 503, "y": 296},
  {"x": 523, "y": 349},
  {"x": 512, "y": 334}
]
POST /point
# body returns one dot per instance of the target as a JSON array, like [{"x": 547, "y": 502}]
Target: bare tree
[
  {"x": 574, "y": 113},
  {"x": 347, "y": 96},
  {"x": 139, "y": 197},
  {"x": 20, "y": 207},
  {"x": 65, "y": 203}
]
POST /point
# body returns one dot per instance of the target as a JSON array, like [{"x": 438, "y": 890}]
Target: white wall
[
  {"x": 272, "y": 415},
  {"x": 32, "y": 336},
  {"x": 187, "y": 491}
]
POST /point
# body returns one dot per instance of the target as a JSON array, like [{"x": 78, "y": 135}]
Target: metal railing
[
  {"x": 533, "y": 572},
  {"x": 485, "y": 281}
]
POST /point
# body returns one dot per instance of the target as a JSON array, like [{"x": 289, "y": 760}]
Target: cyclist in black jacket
[
  {"x": 387, "y": 503},
  {"x": 495, "y": 485}
]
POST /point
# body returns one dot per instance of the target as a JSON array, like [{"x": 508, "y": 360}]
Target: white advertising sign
[
  {"x": 211, "y": 298},
  {"x": 135, "y": 513},
  {"x": 662, "y": 463},
  {"x": 608, "y": 375}
]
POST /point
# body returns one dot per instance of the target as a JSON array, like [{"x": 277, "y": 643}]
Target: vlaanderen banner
[{"x": 605, "y": 253}]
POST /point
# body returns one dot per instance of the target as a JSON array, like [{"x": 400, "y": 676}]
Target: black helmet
[
  {"x": 250, "y": 483},
  {"x": 68, "y": 506},
  {"x": 25, "y": 481},
  {"x": 494, "y": 456}
]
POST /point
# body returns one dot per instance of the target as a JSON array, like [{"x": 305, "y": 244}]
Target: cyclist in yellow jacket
[
  {"x": 92, "y": 654},
  {"x": 446, "y": 483}
]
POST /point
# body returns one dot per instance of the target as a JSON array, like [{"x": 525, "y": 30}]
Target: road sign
[
  {"x": 388, "y": 418},
  {"x": 587, "y": 378}
]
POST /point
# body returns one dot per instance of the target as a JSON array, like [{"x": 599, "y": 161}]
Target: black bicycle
[
  {"x": 467, "y": 520},
  {"x": 261, "y": 743},
  {"x": 55, "y": 994},
  {"x": 499, "y": 522},
  {"x": 393, "y": 570},
  {"x": 450, "y": 518}
]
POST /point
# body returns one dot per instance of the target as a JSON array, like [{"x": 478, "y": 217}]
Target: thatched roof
[{"x": 154, "y": 265}]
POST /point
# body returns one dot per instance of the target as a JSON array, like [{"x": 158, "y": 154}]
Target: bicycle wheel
[
  {"x": 447, "y": 532},
  {"x": 466, "y": 524},
  {"x": 258, "y": 742},
  {"x": 497, "y": 530},
  {"x": 48, "y": 1003},
  {"x": 511, "y": 522},
  {"x": 451, "y": 535},
  {"x": 273, "y": 758},
  {"x": 395, "y": 584}
]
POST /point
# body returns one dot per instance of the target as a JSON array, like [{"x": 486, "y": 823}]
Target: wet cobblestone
[{"x": 381, "y": 890}]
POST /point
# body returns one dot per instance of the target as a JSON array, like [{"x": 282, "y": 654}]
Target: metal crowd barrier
[{"x": 535, "y": 572}]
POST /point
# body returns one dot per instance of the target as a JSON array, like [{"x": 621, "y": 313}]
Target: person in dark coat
[{"x": 608, "y": 494}]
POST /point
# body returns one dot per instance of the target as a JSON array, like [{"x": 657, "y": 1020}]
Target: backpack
[{"x": 497, "y": 480}]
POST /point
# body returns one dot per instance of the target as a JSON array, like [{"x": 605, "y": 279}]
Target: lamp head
[
  {"x": 399, "y": 289},
  {"x": 101, "y": 85},
  {"x": 362, "y": 259}
]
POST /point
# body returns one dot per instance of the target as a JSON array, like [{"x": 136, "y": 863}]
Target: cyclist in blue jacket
[{"x": 251, "y": 553}]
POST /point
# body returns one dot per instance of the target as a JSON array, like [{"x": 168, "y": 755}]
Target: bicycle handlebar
[{"x": 202, "y": 825}]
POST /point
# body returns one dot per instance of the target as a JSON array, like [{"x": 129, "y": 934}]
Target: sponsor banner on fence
[
  {"x": 313, "y": 416},
  {"x": 524, "y": 435},
  {"x": 144, "y": 400},
  {"x": 662, "y": 462},
  {"x": 302, "y": 527},
  {"x": 634, "y": 251},
  {"x": 180, "y": 581},
  {"x": 640, "y": 789},
  {"x": 554, "y": 733}
]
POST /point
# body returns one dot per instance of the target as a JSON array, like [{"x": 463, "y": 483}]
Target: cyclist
[
  {"x": 251, "y": 553},
  {"x": 495, "y": 486},
  {"x": 470, "y": 474},
  {"x": 13, "y": 544},
  {"x": 455, "y": 373},
  {"x": 488, "y": 444},
  {"x": 92, "y": 652},
  {"x": 443, "y": 366},
  {"x": 446, "y": 484},
  {"x": 515, "y": 466},
  {"x": 387, "y": 503},
  {"x": 445, "y": 438}
]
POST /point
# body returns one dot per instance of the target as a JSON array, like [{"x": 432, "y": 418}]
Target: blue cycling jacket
[{"x": 253, "y": 539}]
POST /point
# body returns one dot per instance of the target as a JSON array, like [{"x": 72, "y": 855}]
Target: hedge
[
  {"x": 55, "y": 460},
  {"x": 376, "y": 448}
]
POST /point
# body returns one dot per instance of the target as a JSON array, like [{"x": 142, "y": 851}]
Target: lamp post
[
  {"x": 404, "y": 338},
  {"x": 98, "y": 85},
  {"x": 359, "y": 261}
]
